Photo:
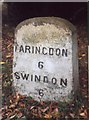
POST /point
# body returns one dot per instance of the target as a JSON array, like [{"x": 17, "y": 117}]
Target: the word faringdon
[{"x": 42, "y": 50}]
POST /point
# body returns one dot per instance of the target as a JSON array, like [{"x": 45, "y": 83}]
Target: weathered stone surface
[{"x": 45, "y": 64}]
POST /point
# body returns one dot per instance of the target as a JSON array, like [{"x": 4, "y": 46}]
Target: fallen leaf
[
  {"x": 83, "y": 55},
  {"x": 8, "y": 56},
  {"x": 44, "y": 110},
  {"x": 32, "y": 107},
  {"x": 12, "y": 117},
  {"x": 82, "y": 114},
  {"x": 12, "y": 106},
  {"x": 19, "y": 115},
  {"x": 48, "y": 116},
  {"x": 55, "y": 113},
  {"x": 72, "y": 115},
  {"x": 2, "y": 63}
]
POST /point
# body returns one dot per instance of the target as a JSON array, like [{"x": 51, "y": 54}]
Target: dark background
[{"x": 14, "y": 13}]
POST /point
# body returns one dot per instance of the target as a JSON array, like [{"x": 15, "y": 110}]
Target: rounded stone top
[
  {"x": 58, "y": 22},
  {"x": 44, "y": 29}
]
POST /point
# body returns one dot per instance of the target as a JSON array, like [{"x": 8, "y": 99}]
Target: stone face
[{"x": 45, "y": 64}]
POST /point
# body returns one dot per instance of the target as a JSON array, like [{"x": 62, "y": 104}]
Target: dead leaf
[
  {"x": 44, "y": 110},
  {"x": 2, "y": 63},
  {"x": 8, "y": 56},
  {"x": 82, "y": 114},
  {"x": 12, "y": 106},
  {"x": 48, "y": 116},
  {"x": 83, "y": 55},
  {"x": 12, "y": 117},
  {"x": 55, "y": 113},
  {"x": 72, "y": 115},
  {"x": 19, "y": 115},
  {"x": 32, "y": 107}
]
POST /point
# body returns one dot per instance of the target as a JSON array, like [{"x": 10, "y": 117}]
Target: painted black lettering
[
  {"x": 37, "y": 50},
  {"x": 45, "y": 80},
  {"x": 40, "y": 65},
  {"x": 51, "y": 50},
  {"x": 63, "y": 82},
  {"x": 44, "y": 51},
  {"x": 27, "y": 49},
  {"x": 33, "y": 50},
  {"x": 57, "y": 51},
  {"x": 15, "y": 47},
  {"x": 41, "y": 92},
  {"x": 21, "y": 49},
  {"x": 37, "y": 78},
  {"x": 24, "y": 76},
  {"x": 31, "y": 77},
  {"x": 64, "y": 52},
  {"x": 54, "y": 81},
  {"x": 17, "y": 75}
]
